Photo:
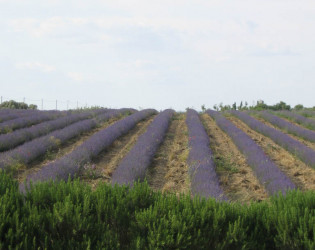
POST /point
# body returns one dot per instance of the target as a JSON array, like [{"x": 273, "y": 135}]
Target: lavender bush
[
  {"x": 265, "y": 170},
  {"x": 11, "y": 140},
  {"x": 10, "y": 116},
  {"x": 133, "y": 166},
  {"x": 204, "y": 180},
  {"x": 72, "y": 163},
  {"x": 25, "y": 121},
  {"x": 306, "y": 113},
  {"x": 305, "y": 153},
  {"x": 287, "y": 126},
  {"x": 302, "y": 120},
  {"x": 30, "y": 151}
]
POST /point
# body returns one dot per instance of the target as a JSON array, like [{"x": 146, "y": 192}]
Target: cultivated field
[{"x": 232, "y": 156}]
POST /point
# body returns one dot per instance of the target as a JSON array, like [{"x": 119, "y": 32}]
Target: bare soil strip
[
  {"x": 64, "y": 149},
  {"x": 305, "y": 142},
  {"x": 300, "y": 173},
  {"x": 169, "y": 171},
  {"x": 104, "y": 165},
  {"x": 236, "y": 176}
]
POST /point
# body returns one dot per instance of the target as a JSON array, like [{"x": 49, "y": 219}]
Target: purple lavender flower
[
  {"x": 305, "y": 153},
  {"x": 25, "y": 121},
  {"x": 306, "y": 122},
  {"x": 204, "y": 180},
  {"x": 134, "y": 164},
  {"x": 11, "y": 140},
  {"x": 265, "y": 170},
  {"x": 30, "y": 151},
  {"x": 306, "y": 134},
  {"x": 72, "y": 163}
]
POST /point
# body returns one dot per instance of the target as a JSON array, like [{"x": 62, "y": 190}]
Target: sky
[{"x": 157, "y": 54}]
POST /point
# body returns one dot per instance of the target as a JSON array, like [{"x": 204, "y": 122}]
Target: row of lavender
[
  {"x": 6, "y": 115},
  {"x": 300, "y": 119},
  {"x": 17, "y": 137},
  {"x": 26, "y": 120},
  {"x": 304, "y": 133},
  {"x": 297, "y": 148},
  {"x": 72, "y": 163},
  {"x": 31, "y": 150},
  {"x": 203, "y": 178},
  {"x": 134, "y": 165},
  {"x": 265, "y": 170}
]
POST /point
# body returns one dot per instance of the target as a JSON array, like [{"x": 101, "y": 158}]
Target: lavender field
[{"x": 203, "y": 154}]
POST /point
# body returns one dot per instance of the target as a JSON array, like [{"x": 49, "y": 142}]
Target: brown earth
[
  {"x": 236, "y": 176},
  {"x": 64, "y": 149},
  {"x": 109, "y": 159},
  {"x": 300, "y": 173},
  {"x": 169, "y": 171}
]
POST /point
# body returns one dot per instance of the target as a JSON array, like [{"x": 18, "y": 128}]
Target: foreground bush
[{"x": 69, "y": 215}]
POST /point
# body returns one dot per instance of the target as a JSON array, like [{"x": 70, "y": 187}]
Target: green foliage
[
  {"x": 16, "y": 105},
  {"x": 298, "y": 107},
  {"x": 203, "y": 108},
  {"x": 260, "y": 105},
  {"x": 234, "y": 106},
  {"x": 69, "y": 215}
]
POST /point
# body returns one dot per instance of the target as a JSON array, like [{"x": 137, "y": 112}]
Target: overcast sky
[{"x": 157, "y": 54}]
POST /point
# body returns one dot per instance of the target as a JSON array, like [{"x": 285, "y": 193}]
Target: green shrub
[{"x": 69, "y": 215}]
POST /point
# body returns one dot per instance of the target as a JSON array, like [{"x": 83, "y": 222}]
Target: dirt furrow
[
  {"x": 169, "y": 171},
  {"x": 236, "y": 176},
  {"x": 300, "y": 173}
]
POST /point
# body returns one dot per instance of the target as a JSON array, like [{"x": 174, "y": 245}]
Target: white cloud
[
  {"x": 207, "y": 46},
  {"x": 76, "y": 76},
  {"x": 37, "y": 27},
  {"x": 35, "y": 66}
]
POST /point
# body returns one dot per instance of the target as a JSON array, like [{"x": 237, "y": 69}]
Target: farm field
[
  {"x": 256, "y": 171},
  {"x": 110, "y": 145}
]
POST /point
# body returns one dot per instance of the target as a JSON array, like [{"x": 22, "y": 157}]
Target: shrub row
[{"x": 69, "y": 215}]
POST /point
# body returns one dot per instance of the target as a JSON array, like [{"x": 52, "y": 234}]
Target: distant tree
[
  {"x": 298, "y": 107},
  {"x": 32, "y": 106},
  {"x": 203, "y": 108},
  {"x": 215, "y": 107},
  {"x": 241, "y": 106},
  {"x": 221, "y": 105},
  {"x": 16, "y": 105},
  {"x": 260, "y": 105},
  {"x": 234, "y": 106},
  {"x": 246, "y": 105},
  {"x": 280, "y": 106}
]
